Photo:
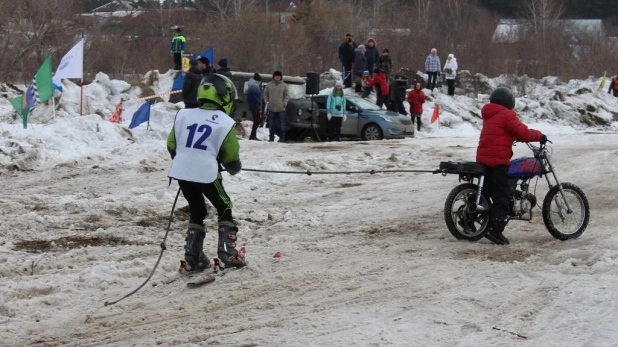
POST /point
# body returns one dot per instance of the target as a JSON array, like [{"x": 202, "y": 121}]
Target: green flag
[
  {"x": 18, "y": 104},
  {"x": 40, "y": 90}
]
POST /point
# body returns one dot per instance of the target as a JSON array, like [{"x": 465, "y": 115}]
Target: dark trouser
[
  {"x": 190, "y": 105},
  {"x": 194, "y": 193},
  {"x": 177, "y": 61},
  {"x": 382, "y": 100},
  {"x": 451, "y": 86},
  {"x": 432, "y": 77},
  {"x": 347, "y": 76},
  {"x": 276, "y": 122},
  {"x": 615, "y": 92},
  {"x": 366, "y": 92},
  {"x": 416, "y": 117},
  {"x": 358, "y": 83},
  {"x": 334, "y": 128},
  {"x": 497, "y": 180},
  {"x": 256, "y": 123}
]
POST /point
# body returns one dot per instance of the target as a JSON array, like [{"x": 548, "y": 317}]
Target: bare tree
[{"x": 542, "y": 14}]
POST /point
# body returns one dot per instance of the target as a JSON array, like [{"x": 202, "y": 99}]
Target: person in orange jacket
[
  {"x": 416, "y": 99},
  {"x": 382, "y": 90}
]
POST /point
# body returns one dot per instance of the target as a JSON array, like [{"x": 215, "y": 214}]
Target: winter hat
[
  {"x": 192, "y": 62},
  {"x": 361, "y": 47},
  {"x": 434, "y": 51},
  {"x": 366, "y": 72},
  {"x": 338, "y": 84},
  {"x": 203, "y": 60},
  {"x": 371, "y": 39},
  {"x": 451, "y": 55},
  {"x": 385, "y": 50},
  {"x": 277, "y": 73},
  {"x": 257, "y": 77},
  {"x": 222, "y": 63}
]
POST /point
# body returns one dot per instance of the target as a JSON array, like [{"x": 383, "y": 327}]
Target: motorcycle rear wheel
[
  {"x": 560, "y": 223},
  {"x": 458, "y": 217}
]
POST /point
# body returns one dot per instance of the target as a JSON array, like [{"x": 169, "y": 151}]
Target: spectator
[
  {"x": 254, "y": 99},
  {"x": 223, "y": 69},
  {"x": 372, "y": 54},
  {"x": 385, "y": 63},
  {"x": 335, "y": 112},
  {"x": 366, "y": 87},
  {"x": 346, "y": 57},
  {"x": 432, "y": 68},
  {"x": 382, "y": 91},
  {"x": 397, "y": 88},
  {"x": 276, "y": 95},
  {"x": 178, "y": 48},
  {"x": 416, "y": 99},
  {"x": 360, "y": 62},
  {"x": 193, "y": 77},
  {"x": 450, "y": 70},
  {"x": 203, "y": 64},
  {"x": 613, "y": 86}
]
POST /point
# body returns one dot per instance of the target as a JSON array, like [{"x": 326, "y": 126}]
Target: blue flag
[
  {"x": 57, "y": 87},
  {"x": 141, "y": 115},
  {"x": 179, "y": 82},
  {"x": 210, "y": 54}
]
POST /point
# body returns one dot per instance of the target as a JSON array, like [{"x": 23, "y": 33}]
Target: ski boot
[
  {"x": 195, "y": 259},
  {"x": 226, "y": 251}
]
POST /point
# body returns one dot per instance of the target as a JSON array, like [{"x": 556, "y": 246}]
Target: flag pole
[
  {"x": 81, "y": 97},
  {"x": 54, "y": 107}
]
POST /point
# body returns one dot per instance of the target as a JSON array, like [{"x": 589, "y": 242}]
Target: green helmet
[{"x": 217, "y": 92}]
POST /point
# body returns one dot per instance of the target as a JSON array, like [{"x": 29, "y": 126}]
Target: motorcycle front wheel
[
  {"x": 559, "y": 221},
  {"x": 460, "y": 221}
]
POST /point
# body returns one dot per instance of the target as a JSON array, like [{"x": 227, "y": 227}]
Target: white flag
[{"x": 71, "y": 65}]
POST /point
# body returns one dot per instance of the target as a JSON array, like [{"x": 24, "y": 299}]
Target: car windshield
[{"x": 364, "y": 104}]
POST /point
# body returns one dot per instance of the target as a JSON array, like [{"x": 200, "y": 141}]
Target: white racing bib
[{"x": 199, "y": 135}]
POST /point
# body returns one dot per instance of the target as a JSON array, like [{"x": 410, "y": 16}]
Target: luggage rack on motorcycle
[{"x": 467, "y": 170}]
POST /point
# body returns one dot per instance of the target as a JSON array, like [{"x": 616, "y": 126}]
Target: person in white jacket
[{"x": 450, "y": 73}]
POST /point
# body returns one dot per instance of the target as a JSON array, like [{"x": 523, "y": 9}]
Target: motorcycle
[{"x": 565, "y": 209}]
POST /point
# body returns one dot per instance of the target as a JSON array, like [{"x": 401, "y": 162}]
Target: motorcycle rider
[{"x": 500, "y": 128}]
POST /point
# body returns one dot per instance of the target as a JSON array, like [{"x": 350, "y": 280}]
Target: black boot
[
  {"x": 195, "y": 259},
  {"x": 495, "y": 227},
  {"x": 226, "y": 251}
]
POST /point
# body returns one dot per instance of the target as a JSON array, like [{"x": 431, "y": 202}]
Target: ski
[{"x": 200, "y": 280}]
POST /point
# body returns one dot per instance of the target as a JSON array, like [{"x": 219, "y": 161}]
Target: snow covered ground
[{"x": 366, "y": 260}]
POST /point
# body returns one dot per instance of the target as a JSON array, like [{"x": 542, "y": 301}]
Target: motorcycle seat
[{"x": 462, "y": 168}]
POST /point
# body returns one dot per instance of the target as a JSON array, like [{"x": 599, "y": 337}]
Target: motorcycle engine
[{"x": 524, "y": 202}]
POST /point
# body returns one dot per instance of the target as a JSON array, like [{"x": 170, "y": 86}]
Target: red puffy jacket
[
  {"x": 416, "y": 98},
  {"x": 500, "y": 128},
  {"x": 379, "y": 79}
]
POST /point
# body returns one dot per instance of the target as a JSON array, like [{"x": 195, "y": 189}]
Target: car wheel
[{"x": 371, "y": 132}]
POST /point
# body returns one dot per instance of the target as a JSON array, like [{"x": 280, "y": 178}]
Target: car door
[{"x": 350, "y": 126}]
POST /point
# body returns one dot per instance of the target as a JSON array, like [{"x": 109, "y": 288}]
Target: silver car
[{"x": 366, "y": 120}]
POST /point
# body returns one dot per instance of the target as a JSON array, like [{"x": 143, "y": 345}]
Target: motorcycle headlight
[{"x": 388, "y": 119}]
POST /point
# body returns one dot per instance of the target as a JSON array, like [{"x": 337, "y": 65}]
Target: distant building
[
  {"x": 284, "y": 9},
  {"x": 510, "y": 31}
]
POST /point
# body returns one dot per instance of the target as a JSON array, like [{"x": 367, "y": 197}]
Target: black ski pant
[
  {"x": 451, "y": 87},
  {"x": 334, "y": 128},
  {"x": 615, "y": 91},
  {"x": 177, "y": 61},
  {"x": 497, "y": 183},
  {"x": 417, "y": 118},
  {"x": 256, "y": 123},
  {"x": 194, "y": 193},
  {"x": 432, "y": 78}
]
